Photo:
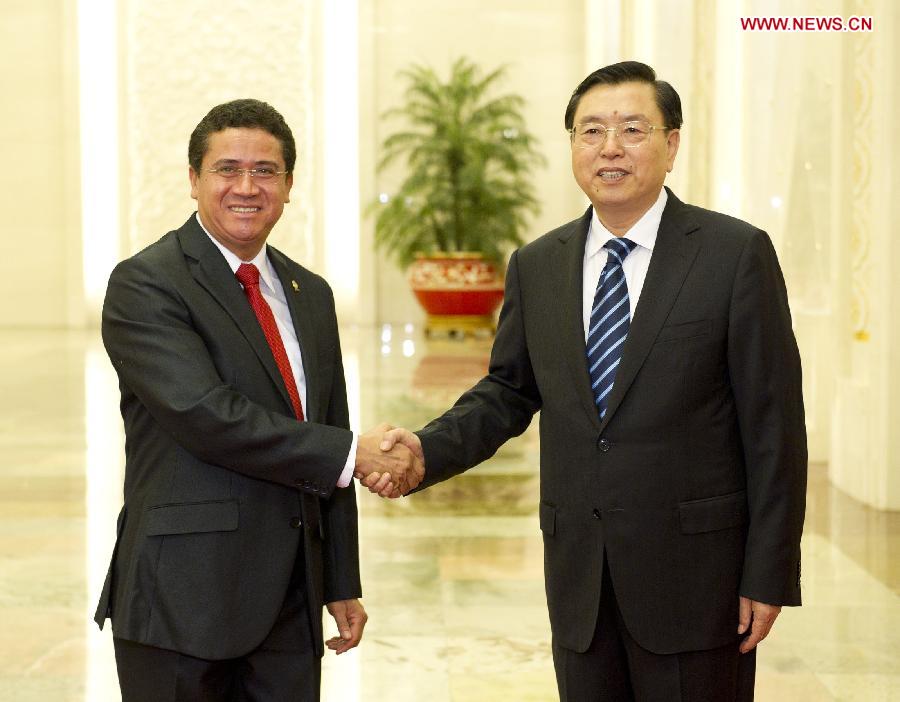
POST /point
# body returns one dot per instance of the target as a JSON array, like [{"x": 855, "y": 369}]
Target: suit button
[
  {"x": 596, "y": 514},
  {"x": 296, "y": 522},
  {"x": 604, "y": 445}
]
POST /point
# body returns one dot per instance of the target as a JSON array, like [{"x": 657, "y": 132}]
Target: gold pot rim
[{"x": 461, "y": 255}]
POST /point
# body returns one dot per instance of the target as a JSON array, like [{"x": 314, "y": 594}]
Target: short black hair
[
  {"x": 628, "y": 72},
  {"x": 245, "y": 113}
]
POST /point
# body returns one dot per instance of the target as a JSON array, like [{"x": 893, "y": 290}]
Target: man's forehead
[
  {"x": 234, "y": 134},
  {"x": 622, "y": 101},
  {"x": 227, "y": 143}
]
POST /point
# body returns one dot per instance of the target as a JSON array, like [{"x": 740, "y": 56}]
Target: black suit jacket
[
  {"x": 221, "y": 481},
  {"x": 693, "y": 486}
]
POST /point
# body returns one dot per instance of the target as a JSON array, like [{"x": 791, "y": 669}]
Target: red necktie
[{"x": 248, "y": 275}]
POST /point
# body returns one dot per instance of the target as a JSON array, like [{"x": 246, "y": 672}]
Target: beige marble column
[
  {"x": 39, "y": 142},
  {"x": 865, "y": 460}
]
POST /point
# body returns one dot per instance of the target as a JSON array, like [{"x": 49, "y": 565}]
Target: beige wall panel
[
  {"x": 890, "y": 204},
  {"x": 791, "y": 107},
  {"x": 183, "y": 58},
  {"x": 35, "y": 184},
  {"x": 543, "y": 45},
  {"x": 865, "y": 443}
]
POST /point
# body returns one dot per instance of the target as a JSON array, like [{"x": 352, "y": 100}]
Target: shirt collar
[
  {"x": 261, "y": 260},
  {"x": 643, "y": 233}
]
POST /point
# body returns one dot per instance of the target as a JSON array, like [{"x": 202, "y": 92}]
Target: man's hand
[
  {"x": 390, "y": 464},
  {"x": 761, "y": 615},
  {"x": 350, "y": 618},
  {"x": 393, "y": 436}
]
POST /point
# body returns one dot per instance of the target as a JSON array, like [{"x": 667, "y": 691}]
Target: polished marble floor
[{"x": 452, "y": 577}]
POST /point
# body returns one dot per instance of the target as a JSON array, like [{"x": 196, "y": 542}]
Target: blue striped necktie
[{"x": 610, "y": 316}]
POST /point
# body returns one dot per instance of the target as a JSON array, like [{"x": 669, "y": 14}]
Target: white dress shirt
[
  {"x": 635, "y": 266},
  {"x": 273, "y": 292}
]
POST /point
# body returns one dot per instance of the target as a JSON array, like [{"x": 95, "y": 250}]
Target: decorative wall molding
[
  {"x": 183, "y": 58},
  {"x": 861, "y": 193}
]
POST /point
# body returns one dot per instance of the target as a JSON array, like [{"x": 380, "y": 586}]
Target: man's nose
[
  {"x": 610, "y": 145},
  {"x": 245, "y": 184}
]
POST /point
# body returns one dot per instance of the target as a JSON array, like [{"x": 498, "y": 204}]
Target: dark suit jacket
[
  {"x": 221, "y": 481},
  {"x": 693, "y": 486}
]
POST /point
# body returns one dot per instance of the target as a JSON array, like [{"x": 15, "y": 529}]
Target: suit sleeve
[
  {"x": 166, "y": 369},
  {"x": 341, "y": 550},
  {"x": 499, "y": 407},
  {"x": 764, "y": 368}
]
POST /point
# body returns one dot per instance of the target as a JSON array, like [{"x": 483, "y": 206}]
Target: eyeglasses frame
[
  {"x": 615, "y": 131},
  {"x": 241, "y": 172}
]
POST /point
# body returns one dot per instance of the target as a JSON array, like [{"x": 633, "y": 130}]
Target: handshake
[{"x": 389, "y": 461}]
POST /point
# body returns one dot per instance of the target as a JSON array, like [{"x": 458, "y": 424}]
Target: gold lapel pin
[{"x": 295, "y": 286}]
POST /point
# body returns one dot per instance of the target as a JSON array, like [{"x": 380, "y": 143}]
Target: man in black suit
[
  {"x": 655, "y": 339},
  {"x": 237, "y": 525}
]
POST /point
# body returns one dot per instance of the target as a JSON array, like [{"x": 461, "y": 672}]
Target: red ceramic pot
[{"x": 456, "y": 284}]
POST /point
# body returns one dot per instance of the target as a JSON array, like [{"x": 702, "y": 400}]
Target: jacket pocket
[
  {"x": 713, "y": 513},
  {"x": 191, "y": 518},
  {"x": 547, "y": 514},
  {"x": 686, "y": 330},
  {"x": 312, "y": 515}
]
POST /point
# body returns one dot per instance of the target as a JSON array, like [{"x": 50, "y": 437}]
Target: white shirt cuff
[{"x": 347, "y": 474}]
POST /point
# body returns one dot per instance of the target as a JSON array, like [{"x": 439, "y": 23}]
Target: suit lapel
[
  {"x": 673, "y": 256},
  {"x": 212, "y": 272},
  {"x": 571, "y": 284},
  {"x": 303, "y": 326}
]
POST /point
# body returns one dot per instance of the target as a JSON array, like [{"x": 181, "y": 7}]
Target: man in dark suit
[
  {"x": 237, "y": 525},
  {"x": 655, "y": 339}
]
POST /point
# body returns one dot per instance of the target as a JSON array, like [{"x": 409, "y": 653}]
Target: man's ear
[
  {"x": 673, "y": 139},
  {"x": 195, "y": 182}
]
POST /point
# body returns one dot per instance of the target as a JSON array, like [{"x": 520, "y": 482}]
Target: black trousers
[
  {"x": 284, "y": 668},
  {"x": 616, "y": 669}
]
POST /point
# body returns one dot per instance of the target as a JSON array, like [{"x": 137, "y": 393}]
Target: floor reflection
[{"x": 452, "y": 577}]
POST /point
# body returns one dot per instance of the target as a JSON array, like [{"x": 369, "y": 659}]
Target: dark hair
[
  {"x": 242, "y": 114},
  {"x": 667, "y": 99}
]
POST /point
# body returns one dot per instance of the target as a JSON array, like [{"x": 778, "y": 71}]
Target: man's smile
[{"x": 610, "y": 175}]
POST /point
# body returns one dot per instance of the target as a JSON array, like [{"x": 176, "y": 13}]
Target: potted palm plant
[{"x": 465, "y": 194}]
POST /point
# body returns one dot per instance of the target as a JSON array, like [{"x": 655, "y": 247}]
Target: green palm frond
[{"x": 467, "y": 156}]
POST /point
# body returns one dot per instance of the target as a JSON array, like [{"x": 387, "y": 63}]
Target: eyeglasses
[
  {"x": 628, "y": 134},
  {"x": 263, "y": 173}
]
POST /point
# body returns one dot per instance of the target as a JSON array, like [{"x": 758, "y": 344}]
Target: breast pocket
[
  {"x": 674, "y": 349},
  {"x": 684, "y": 330}
]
